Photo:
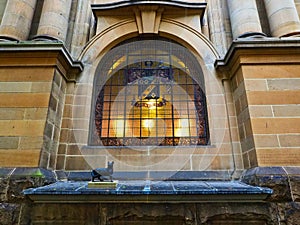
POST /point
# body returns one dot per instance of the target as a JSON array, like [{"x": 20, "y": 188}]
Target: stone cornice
[
  {"x": 32, "y": 53},
  {"x": 118, "y": 4},
  {"x": 259, "y": 51}
]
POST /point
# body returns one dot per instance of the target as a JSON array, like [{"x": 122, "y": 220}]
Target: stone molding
[
  {"x": 253, "y": 47},
  {"x": 119, "y": 4},
  {"x": 55, "y": 50}
]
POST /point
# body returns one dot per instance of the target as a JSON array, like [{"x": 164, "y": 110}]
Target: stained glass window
[{"x": 149, "y": 92}]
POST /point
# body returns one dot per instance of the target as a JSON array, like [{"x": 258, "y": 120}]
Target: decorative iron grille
[{"x": 151, "y": 97}]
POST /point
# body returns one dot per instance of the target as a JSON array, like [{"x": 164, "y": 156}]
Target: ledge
[
  {"x": 259, "y": 50},
  {"x": 149, "y": 192},
  {"x": 40, "y": 53},
  {"x": 118, "y": 4}
]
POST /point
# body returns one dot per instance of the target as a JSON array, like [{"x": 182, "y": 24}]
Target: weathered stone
[
  {"x": 251, "y": 213},
  {"x": 295, "y": 187},
  {"x": 9, "y": 213},
  {"x": 272, "y": 177},
  {"x": 147, "y": 214},
  {"x": 16, "y": 186},
  {"x": 68, "y": 213},
  {"x": 3, "y": 188},
  {"x": 289, "y": 213}
]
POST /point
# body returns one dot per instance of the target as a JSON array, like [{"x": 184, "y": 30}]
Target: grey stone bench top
[{"x": 149, "y": 191}]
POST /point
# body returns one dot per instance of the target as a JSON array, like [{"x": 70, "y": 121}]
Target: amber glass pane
[{"x": 150, "y": 98}]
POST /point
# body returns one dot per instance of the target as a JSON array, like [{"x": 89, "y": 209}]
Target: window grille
[{"x": 150, "y": 96}]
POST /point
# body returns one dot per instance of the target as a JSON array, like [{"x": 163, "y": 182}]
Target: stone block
[
  {"x": 256, "y": 85},
  {"x": 252, "y": 156},
  {"x": 73, "y": 150},
  {"x": 278, "y": 156},
  {"x": 26, "y": 74},
  {"x": 24, "y": 100},
  {"x": 247, "y": 144},
  {"x": 274, "y": 71},
  {"x": 22, "y": 127},
  {"x": 242, "y": 133},
  {"x": 273, "y": 97},
  {"x": 49, "y": 130},
  {"x": 260, "y": 111},
  {"x": 12, "y": 113},
  {"x": 243, "y": 116},
  {"x": 244, "y": 102},
  {"x": 79, "y": 136},
  {"x": 66, "y": 123},
  {"x": 15, "y": 87},
  {"x": 286, "y": 110},
  {"x": 64, "y": 135},
  {"x": 275, "y": 125},
  {"x": 44, "y": 158},
  {"x": 81, "y": 124},
  {"x": 77, "y": 163},
  {"x": 289, "y": 140},
  {"x": 9, "y": 142},
  {"x": 35, "y": 113},
  {"x": 31, "y": 142},
  {"x": 40, "y": 87},
  {"x": 284, "y": 84},
  {"x": 238, "y": 78},
  {"x": 60, "y": 162},
  {"x": 262, "y": 141},
  {"x": 67, "y": 111},
  {"x": 19, "y": 158}
]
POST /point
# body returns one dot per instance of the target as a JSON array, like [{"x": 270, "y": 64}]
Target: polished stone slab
[{"x": 149, "y": 191}]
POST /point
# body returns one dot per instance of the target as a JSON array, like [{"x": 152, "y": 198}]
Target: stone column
[
  {"x": 54, "y": 20},
  {"x": 17, "y": 19},
  {"x": 297, "y": 3},
  {"x": 283, "y": 17},
  {"x": 244, "y": 18}
]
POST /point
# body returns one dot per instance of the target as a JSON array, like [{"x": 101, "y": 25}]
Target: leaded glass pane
[{"x": 150, "y": 97}]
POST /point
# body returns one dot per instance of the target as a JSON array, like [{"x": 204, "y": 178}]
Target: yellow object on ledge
[{"x": 102, "y": 184}]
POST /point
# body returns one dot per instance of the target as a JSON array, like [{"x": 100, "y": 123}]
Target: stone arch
[
  {"x": 206, "y": 55},
  {"x": 125, "y": 29}
]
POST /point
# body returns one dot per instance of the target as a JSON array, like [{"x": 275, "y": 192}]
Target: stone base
[{"x": 103, "y": 184}]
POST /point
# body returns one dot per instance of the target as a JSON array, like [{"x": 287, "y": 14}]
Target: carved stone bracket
[{"x": 148, "y": 18}]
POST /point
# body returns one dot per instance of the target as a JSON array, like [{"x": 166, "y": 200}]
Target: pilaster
[
  {"x": 33, "y": 80},
  {"x": 265, "y": 83}
]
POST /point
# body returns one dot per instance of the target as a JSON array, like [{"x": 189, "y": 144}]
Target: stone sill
[{"x": 143, "y": 191}]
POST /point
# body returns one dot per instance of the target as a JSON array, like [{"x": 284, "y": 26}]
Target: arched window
[{"x": 149, "y": 92}]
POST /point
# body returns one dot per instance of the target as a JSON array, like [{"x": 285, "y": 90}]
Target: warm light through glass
[
  {"x": 119, "y": 128},
  {"x": 183, "y": 128},
  {"x": 148, "y": 123}
]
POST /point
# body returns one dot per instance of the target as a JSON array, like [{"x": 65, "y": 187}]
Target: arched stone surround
[{"x": 223, "y": 152}]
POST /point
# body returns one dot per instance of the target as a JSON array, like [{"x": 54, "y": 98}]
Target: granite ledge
[{"x": 150, "y": 191}]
